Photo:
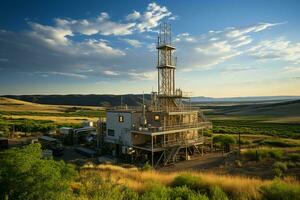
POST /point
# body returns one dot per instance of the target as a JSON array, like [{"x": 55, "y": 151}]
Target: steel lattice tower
[{"x": 166, "y": 65}]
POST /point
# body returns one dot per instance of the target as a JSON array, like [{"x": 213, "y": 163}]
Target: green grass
[
  {"x": 28, "y": 125},
  {"x": 75, "y": 113},
  {"x": 260, "y": 154},
  {"x": 256, "y": 127},
  {"x": 281, "y": 191}
]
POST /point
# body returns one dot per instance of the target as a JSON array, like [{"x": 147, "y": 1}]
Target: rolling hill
[
  {"x": 285, "y": 108},
  {"x": 84, "y": 100}
]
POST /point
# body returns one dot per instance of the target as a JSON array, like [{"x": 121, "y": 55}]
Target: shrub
[
  {"x": 189, "y": 181},
  {"x": 277, "y": 172},
  {"x": 276, "y": 153},
  {"x": 217, "y": 193},
  {"x": 186, "y": 193},
  {"x": 156, "y": 192},
  {"x": 260, "y": 154},
  {"x": 294, "y": 156},
  {"x": 147, "y": 167},
  {"x": 291, "y": 164},
  {"x": 280, "y": 165},
  {"x": 224, "y": 141},
  {"x": 280, "y": 191},
  {"x": 278, "y": 143}
]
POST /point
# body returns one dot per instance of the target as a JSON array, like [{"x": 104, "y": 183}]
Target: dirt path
[{"x": 203, "y": 163}]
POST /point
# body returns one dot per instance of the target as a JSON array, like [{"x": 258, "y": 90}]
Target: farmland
[{"x": 31, "y": 117}]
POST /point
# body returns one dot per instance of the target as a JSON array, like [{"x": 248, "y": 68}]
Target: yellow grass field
[
  {"x": 56, "y": 119},
  {"x": 139, "y": 180},
  {"x": 47, "y": 112}
]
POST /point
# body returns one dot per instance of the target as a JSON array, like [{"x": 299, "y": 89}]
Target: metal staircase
[{"x": 171, "y": 154}]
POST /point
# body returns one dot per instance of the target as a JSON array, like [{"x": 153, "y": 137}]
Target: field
[
  {"x": 268, "y": 167},
  {"x": 279, "y": 119},
  {"x": 16, "y": 115}
]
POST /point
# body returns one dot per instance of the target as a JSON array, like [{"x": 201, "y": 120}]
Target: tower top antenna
[{"x": 165, "y": 36}]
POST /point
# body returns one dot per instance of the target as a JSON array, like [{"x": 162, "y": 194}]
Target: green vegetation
[
  {"x": 256, "y": 127},
  {"x": 279, "y": 168},
  {"x": 147, "y": 167},
  {"x": 218, "y": 194},
  {"x": 7, "y": 125},
  {"x": 24, "y": 175},
  {"x": 281, "y": 191},
  {"x": 224, "y": 141},
  {"x": 277, "y": 142},
  {"x": 260, "y": 154},
  {"x": 75, "y": 112}
]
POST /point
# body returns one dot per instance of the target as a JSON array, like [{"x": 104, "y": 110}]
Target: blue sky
[{"x": 224, "y": 48}]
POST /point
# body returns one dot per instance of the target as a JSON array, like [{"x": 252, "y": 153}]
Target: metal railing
[
  {"x": 171, "y": 143},
  {"x": 181, "y": 108},
  {"x": 153, "y": 129}
]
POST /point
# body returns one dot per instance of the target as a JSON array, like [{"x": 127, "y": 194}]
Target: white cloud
[
  {"x": 74, "y": 75},
  {"x": 132, "y": 42},
  {"x": 100, "y": 47},
  {"x": 148, "y": 75},
  {"x": 111, "y": 73},
  {"x": 52, "y": 35},
  {"x": 215, "y": 47},
  {"x": 233, "y": 32},
  {"x": 185, "y": 37},
  {"x": 276, "y": 49},
  {"x": 151, "y": 18},
  {"x": 133, "y": 16},
  {"x": 100, "y": 25}
]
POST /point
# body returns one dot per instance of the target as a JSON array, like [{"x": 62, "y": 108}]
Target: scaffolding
[
  {"x": 168, "y": 127},
  {"x": 181, "y": 126}
]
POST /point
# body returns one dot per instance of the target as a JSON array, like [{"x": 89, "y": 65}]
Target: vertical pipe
[
  {"x": 152, "y": 160},
  {"x": 158, "y": 87},
  {"x": 173, "y": 80},
  {"x": 203, "y": 143}
]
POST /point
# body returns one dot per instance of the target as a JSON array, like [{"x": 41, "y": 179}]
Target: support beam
[{"x": 152, "y": 153}]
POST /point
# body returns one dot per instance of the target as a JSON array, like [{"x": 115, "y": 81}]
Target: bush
[
  {"x": 280, "y": 165},
  {"x": 224, "y": 141},
  {"x": 276, "y": 153},
  {"x": 291, "y": 164},
  {"x": 189, "y": 181},
  {"x": 217, "y": 193},
  {"x": 156, "y": 192},
  {"x": 294, "y": 156},
  {"x": 278, "y": 143},
  {"x": 166, "y": 193},
  {"x": 277, "y": 172},
  {"x": 25, "y": 175},
  {"x": 260, "y": 154},
  {"x": 280, "y": 191},
  {"x": 147, "y": 167},
  {"x": 186, "y": 193}
]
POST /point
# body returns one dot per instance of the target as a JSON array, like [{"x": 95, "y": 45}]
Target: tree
[
  {"x": 24, "y": 174},
  {"x": 224, "y": 141}
]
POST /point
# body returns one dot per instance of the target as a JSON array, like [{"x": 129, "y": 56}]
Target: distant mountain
[
  {"x": 84, "y": 100},
  {"x": 244, "y": 99},
  {"x": 130, "y": 99},
  {"x": 283, "y": 108}
]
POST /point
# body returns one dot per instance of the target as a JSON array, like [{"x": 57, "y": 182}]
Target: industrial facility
[{"x": 166, "y": 128}]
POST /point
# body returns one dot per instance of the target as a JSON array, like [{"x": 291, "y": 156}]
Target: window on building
[
  {"x": 121, "y": 118},
  {"x": 156, "y": 117},
  {"x": 110, "y": 132}
]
